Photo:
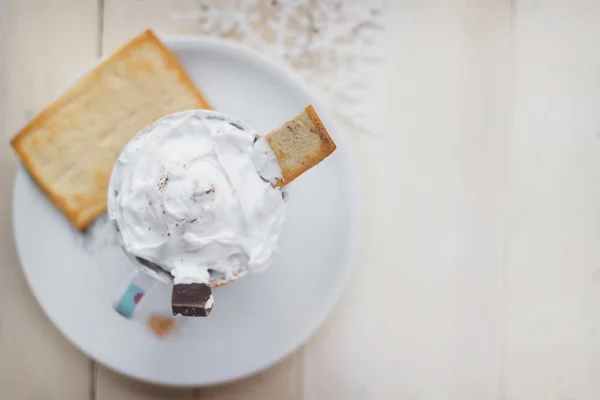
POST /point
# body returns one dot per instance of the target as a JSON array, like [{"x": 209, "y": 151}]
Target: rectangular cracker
[
  {"x": 300, "y": 144},
  {"x": 71, "y": 146}
]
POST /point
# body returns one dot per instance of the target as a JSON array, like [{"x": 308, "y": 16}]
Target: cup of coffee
[{"x": 194, "y": 203}]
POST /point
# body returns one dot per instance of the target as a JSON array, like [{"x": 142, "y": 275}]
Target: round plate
[{"x": 257, "y": 320}]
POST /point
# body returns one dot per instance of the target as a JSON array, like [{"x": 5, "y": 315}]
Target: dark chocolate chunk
[{"x": 192, "y": 299}]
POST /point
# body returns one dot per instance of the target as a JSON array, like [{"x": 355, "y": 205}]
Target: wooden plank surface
[
  {"x": 44, "y": 46},
  {"x": 423, "y": 317},
  {"x": 552, "y": 255}
]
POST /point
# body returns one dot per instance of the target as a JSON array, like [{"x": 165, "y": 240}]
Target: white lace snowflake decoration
[{"x": 332, "y": 44}]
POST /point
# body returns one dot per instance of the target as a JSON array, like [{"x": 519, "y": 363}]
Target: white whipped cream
[{"x": 185, "y": 194}]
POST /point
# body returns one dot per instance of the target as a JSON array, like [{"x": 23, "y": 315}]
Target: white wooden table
[{"x": 479, "y": 272}]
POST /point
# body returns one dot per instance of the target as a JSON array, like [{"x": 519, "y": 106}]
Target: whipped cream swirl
[{"x": 185, "y": 194}]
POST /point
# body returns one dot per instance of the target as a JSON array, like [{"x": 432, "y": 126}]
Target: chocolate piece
[{"x": 192, "y": 299}]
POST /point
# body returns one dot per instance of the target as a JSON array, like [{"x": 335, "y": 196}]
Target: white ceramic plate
[{"x": 256, "y": 321}]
